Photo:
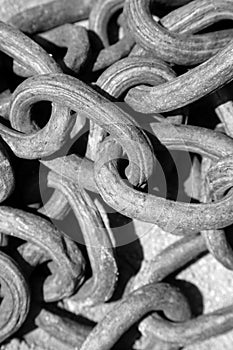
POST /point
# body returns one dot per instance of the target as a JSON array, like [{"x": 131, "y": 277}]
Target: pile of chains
[{"x": 96, "y": 97}]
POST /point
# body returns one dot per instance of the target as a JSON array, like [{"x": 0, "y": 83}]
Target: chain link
[{"x": 92, "y": 112}]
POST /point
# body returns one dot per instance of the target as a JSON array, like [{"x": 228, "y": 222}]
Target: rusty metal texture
[{"x": 116, "y": 127}]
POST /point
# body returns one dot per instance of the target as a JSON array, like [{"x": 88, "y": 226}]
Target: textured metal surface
[{"x": 116, "y": 158}]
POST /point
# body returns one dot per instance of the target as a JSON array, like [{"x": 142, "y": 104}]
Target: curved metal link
[
  {"x": 16, "y": 297},
  {"x": 218, "y": 182},
  {"x": 75, "y": 94},
  {"x": 101, "y": 286},
  {"x": 192, "y": 331},
  {"x": 65, "y": 253},
  {"x": 171, "y": 47},
  {"x": 131, "y": 309},
  {"x": 121, "y": 76},
  {"x": 31, "y": 55},
  {"x": 175, "y": 217},
  {"x": 188, "y": 87},
  {"x": 90, "y": 300}
]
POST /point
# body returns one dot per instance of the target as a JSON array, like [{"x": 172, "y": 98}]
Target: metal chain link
[{"x": 91, "y": 112}]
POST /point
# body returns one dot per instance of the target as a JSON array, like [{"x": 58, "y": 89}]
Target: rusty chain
[{"x": 97, "y": 98}]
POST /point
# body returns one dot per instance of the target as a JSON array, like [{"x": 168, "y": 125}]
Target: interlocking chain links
[
  {"x": 190, "y": 19},
  {"x": 184, "y": 24},
  {"x": 132, "y": 71},
  {"x": 219, "y": 177},
  {"x": 117, "y": 195},
  {"x": 171, "y": 47},
  {"x": 67, "y": 273},
  {"x": 16, "y": 297},
  {"x": 71, "y": 175},
  {"x": 188, "y": 87},
  {"x": 189, "y": 332},
  {"x": 32, "y": 17},
  {"x": 100, "y": 287},
  {"x": 217, "y": 242},
  {"x": 31, "y": 55},
  {"x": 168, "y": 261},
  {"x": 80, "y": 97},
  {"x": 121, "y": 76},
  {"x": 176, "y": 217},
  {"x": 152, "y": 297},
  {"x": 177, "y": 335},
  {"x": 121, "y": 48}
]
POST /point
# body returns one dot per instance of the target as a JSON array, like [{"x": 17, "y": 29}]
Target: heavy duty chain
[{"x": 98, "y": 97}]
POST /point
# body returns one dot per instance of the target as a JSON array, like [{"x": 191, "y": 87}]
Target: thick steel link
[
  {"x": 217, "y": 242},
  {"x": 68, "y": 271},
  {"x": 186, "y": 19},
  {"x": 132, "y": 308},
  {"x": 32, "y": 56},
  {"x": 121, "y": 76},
  {"x": 132, "y": 71},
  {"x": 74, "y": 290},
  {"x": 167, "y": 45},
  {"x": 175, "y": 217},
  {"x": 188, "y": 87},
  {"x": 192, "y": 331},
  {"x": 100, "y": 287},
  {"x": 81, "y": 98},
  {"x": 102, "y": 11}
]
